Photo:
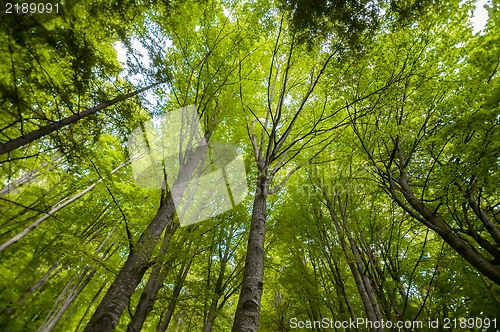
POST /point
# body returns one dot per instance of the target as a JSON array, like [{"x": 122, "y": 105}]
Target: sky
[{"x": 480, "y": 16}]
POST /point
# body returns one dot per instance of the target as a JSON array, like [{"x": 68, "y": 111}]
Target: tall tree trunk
[
  {"x": 117, "y": 297},
  {"x": 219, "y": 289},
  {"x": 82, "y": 282},
  {"x": 96, "y": 296},
  {"x": 75, "y": 291},
  {"x": 363, "y": 271},
  {"x": 163, "y": 323},
  {"x": 33, "y": 136},
  {"x": 109, "y": 311},
  {"x": 333, "y": 266},
  {"x": 425, "y": 215},
  {"x": 155, "y": 282},
  {"x": 29, "y": 176},
  {"x": 248, "y": 310},
  {"x": 353, "y": 265},
  {"x": 4, "y": 322}
]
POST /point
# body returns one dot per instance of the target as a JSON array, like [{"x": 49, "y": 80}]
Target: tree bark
[
  {"x": 4, "y": 322},
  {"x": 355, "y": 265},
  {"x": 82, "y": 282},
  {"x": 39, "y": 133},
  {"x": 248, "y": 309},
  {"x": 109, "y": 311},
  {"x": 155, "y": 282},
  {"x": 163, "y": 324},
  {"x": 477, "y": 260},
  {"x": 117, "y": 297},
  {"x": 219, "y": 289},
  {"x": 29, "y": 176},
  {"x": 54, "y": 209}
]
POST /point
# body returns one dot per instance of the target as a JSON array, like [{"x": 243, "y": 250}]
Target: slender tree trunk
[
  {"x": 362, "y": 271},
  {"x": 82, "y": 282},
  {"x": 356, "y": 273},
  {"x": 43, "y": 280},
  {"x": 219, "y": 289},
  {"x": 163, "y": 324},
  {"x": 113, "y": 304},
  {"x": 29, "y": 176},
  {"x": 54, "y": 209},
  {"x": 109, "y": 311},
  {"x": 33, "y": 136},
  {"x": 248, "y": 309},
  {"x": 96, "y": 296},
  {"x": 47, "y": 327},
  {"x": 431, "y": 220},
  {"x": 155, "y": 282}
]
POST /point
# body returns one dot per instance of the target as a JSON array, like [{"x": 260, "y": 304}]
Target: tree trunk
[
  {"x": 113, "y": 304},
  {"x": 155, "y": 282},
  {"x": 96, "y": 296},
  {"x": 219, "y": 289},
  {"x": 4, "y": 322},
  {"x": 33, "y": 136},
  {"x": 47, "y": 327},
  {"x": 82, "y": 282},
  {"x": 486, "y": 267},
  {"x": 163, "y": 324},
  {"x": 29, "y": 176},
  {"x": 354, "y": 266},
  {"x": 248, "y": 310},
  {"x": 54, "y": 209},
  {"x": 109, "y": 311}
]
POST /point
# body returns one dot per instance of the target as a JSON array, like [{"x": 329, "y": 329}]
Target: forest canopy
[{"x": 243, "y": 165}]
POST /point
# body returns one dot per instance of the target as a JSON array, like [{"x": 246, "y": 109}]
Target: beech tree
[{"x": 368, "y": 131}]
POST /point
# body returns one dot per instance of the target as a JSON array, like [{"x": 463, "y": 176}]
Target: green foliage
[{"x": 410, "y": 92}]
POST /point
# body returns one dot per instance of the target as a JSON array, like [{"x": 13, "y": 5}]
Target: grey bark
[
  {"x": 155, "y": 282},
  {"x": 72, "y": 292},
  {"x": 219, "y": 289},
  {"x": 109, "y": 311},
  {"x": 54, "y": 209},
  {"x": 163, "y": 324},
  {"x": 29, "y": 176},
  {"x": 43, "y": 280},
  {"x": 431, "y": 220},
  {"x": 115, "y": 300},
  {"x": 354, "y": 266},
  {"x": 248, "y": 309}
]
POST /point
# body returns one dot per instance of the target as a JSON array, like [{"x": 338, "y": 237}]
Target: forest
[{"x": 244, "y": 165}]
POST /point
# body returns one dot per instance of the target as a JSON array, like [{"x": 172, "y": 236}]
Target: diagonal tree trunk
[
  {"x": 155, "y": 282},
  {"x": 110, "y": 309},
  {"x": 54, "y": 209},
  {"x": 117, "y": 297},
  {"x": 163, "y": 324},
  {"x": 362, "y": 283},
  {"x": 39, "y": 133},
  {"x": 76, "y": 288}
]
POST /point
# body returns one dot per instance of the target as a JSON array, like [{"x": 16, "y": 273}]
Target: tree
[
  {"x": 368, "y": 130},
  {"x": 429, "y": 170}
]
